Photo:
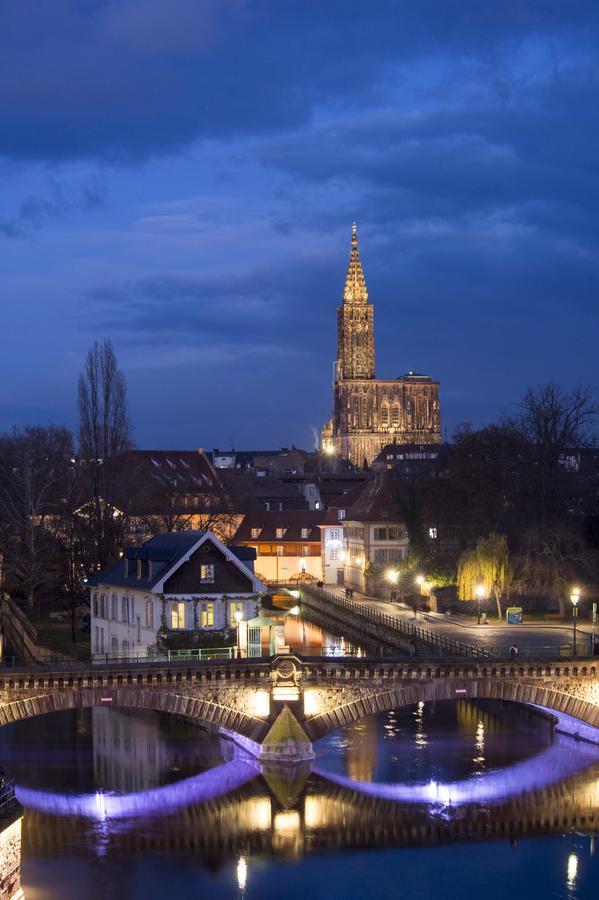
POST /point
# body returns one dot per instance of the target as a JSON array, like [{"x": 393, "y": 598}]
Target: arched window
[
  {"x": 395, "y": 415},
  {"x": 385, "y": 416}
]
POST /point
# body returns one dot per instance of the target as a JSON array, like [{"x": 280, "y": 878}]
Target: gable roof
[
  {"x": 292, "y": 520},
  {"x": 166, "y": 553},
  {"x": 375, "y": 503}
]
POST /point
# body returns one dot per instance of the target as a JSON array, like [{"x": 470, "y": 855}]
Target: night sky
[{"x": 181, "y": 176}]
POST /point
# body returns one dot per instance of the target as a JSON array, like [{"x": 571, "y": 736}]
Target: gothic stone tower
[{"x": 369, "y": 413}]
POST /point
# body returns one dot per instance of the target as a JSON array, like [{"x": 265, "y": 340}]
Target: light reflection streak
[
  {"x": 421, "y": 738},
  {"x": 155, "y": 802},
  {"x": 479, "y": 744},
  {"x": 571, "y": 870}
]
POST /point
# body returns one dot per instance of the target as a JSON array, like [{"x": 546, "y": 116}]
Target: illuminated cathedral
[{"x": 369, "y": 413}]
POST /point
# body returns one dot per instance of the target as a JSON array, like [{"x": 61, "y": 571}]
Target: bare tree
[
  {"x": 553, "y": 420},
  {"x": 552, "y": 560},
  {"x": 36, "y": 486},
  {"x": 104, "y": 435}
]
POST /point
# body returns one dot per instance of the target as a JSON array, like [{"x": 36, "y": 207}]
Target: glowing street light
[
  {"x": 480, "y": 596},
  {"x": 392, "y": 576},
  {"x": 574, "y": 599},
  {"x": 420, "y": 581}
]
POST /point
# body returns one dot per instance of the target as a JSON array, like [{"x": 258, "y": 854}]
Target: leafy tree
[{"x": 487, "y": 564}]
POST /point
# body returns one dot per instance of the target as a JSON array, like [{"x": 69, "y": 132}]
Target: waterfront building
[
  {"x": 369, "y": 413},
  {"x": 332, "y": 548},
  {"x": 287, "y": 544},
  {"x": 178, "y": 581},
  {"x": 374, "y": 537}
]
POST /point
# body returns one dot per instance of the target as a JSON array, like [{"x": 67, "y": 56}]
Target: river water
[{"x": 439, "y": 800}]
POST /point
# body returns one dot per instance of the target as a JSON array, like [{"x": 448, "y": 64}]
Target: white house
[{"x": 184, "y": 580}]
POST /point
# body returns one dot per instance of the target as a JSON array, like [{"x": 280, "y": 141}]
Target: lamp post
[
  {"x": 238, "y": 618},
  {"x": 420, "y": 582},
  {"x": 574, "y": 598},
  {"x": 392, "y": 576},
  {"x": 480, "y": 596}
]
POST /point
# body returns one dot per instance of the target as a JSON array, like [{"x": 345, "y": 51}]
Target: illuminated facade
[
  {"x": 369, "y": 413},
  {"x": 178, "y": 581}
]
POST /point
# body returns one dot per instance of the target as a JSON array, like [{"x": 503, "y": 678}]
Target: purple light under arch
[
  {"x": 565, "y": 757},
  {"x": 155, "y": 802}
]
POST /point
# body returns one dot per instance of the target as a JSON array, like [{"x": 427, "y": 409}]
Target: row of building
[{"x": 194, "y": 577}]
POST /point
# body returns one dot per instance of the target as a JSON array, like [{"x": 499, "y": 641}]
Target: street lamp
[
  {"x": 392, "y": 576},
  {"x": 238, "y": 618},
  {"x": 480, "y": 596},
  {"x": 574, "y": 598},
  {"x": 420, "y": 582}
]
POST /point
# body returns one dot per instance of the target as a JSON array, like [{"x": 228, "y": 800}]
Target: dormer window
[
  {"x": 305, "y": 533},
  {"x": 139, "y": 568},
  {"x": 281, "y": 532},
  {"x": 256, "y": 533}
]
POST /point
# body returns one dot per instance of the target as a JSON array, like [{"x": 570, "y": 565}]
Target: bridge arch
[
  {"x": 203, "y": 711},
  {"x": 334, "y": 714}
]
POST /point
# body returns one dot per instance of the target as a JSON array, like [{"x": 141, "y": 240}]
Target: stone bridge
[{"x": 275, "y": 708}]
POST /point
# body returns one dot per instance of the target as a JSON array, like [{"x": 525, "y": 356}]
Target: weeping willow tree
[{"x": 487, "y": 565}]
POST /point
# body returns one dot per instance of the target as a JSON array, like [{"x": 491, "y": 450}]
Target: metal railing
[
  {"x": 198, "y": 654},
  {"x": 407, "y": 629},
  {"x": 8, "y": 801}
]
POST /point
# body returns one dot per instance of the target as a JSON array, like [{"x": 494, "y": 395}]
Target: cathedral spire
[{"x": 355, "y": 284}]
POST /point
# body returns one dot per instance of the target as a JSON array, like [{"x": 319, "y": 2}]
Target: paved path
[{"x": 464, "y": 628}]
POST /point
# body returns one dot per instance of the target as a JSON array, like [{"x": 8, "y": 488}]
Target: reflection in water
[
  {"x": 213, "y": 845},
  {"x": 572, "y": 870}
]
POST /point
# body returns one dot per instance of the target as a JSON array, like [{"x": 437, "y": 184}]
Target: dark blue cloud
[
  {"x": 190, "y": 171},
  {"x": 125, "y": 80}
]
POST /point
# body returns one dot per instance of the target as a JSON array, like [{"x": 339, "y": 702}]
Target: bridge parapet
[{"x": 247, "y": 698}]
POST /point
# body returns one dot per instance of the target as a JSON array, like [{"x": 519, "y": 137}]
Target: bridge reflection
[{"x": 258, "y": 818}]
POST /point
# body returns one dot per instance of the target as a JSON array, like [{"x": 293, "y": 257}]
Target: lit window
[
  {"x": 305, "y": 533},
  {"x": 256, "y": 532},
  {"x": 334, "y": 534},
  {"x": 333, "y": 553},
  {"x": 385, "y": 416},
  {"x": 178, "y": 614},
  {"x": 139, "y": 568},
  {"x": 432, "y": 533},
  {"x": 281, "y": 532},
  {"x": 280, "y": 550},
  {"x": 341, "y": 514},
  {"x": 207, "y": 573},
  {"x": 207, "y": 615},
  {"x": 395, "y": 415}
]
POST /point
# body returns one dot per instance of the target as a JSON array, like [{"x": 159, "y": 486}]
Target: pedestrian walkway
[{"x": 547, "y": 638}]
